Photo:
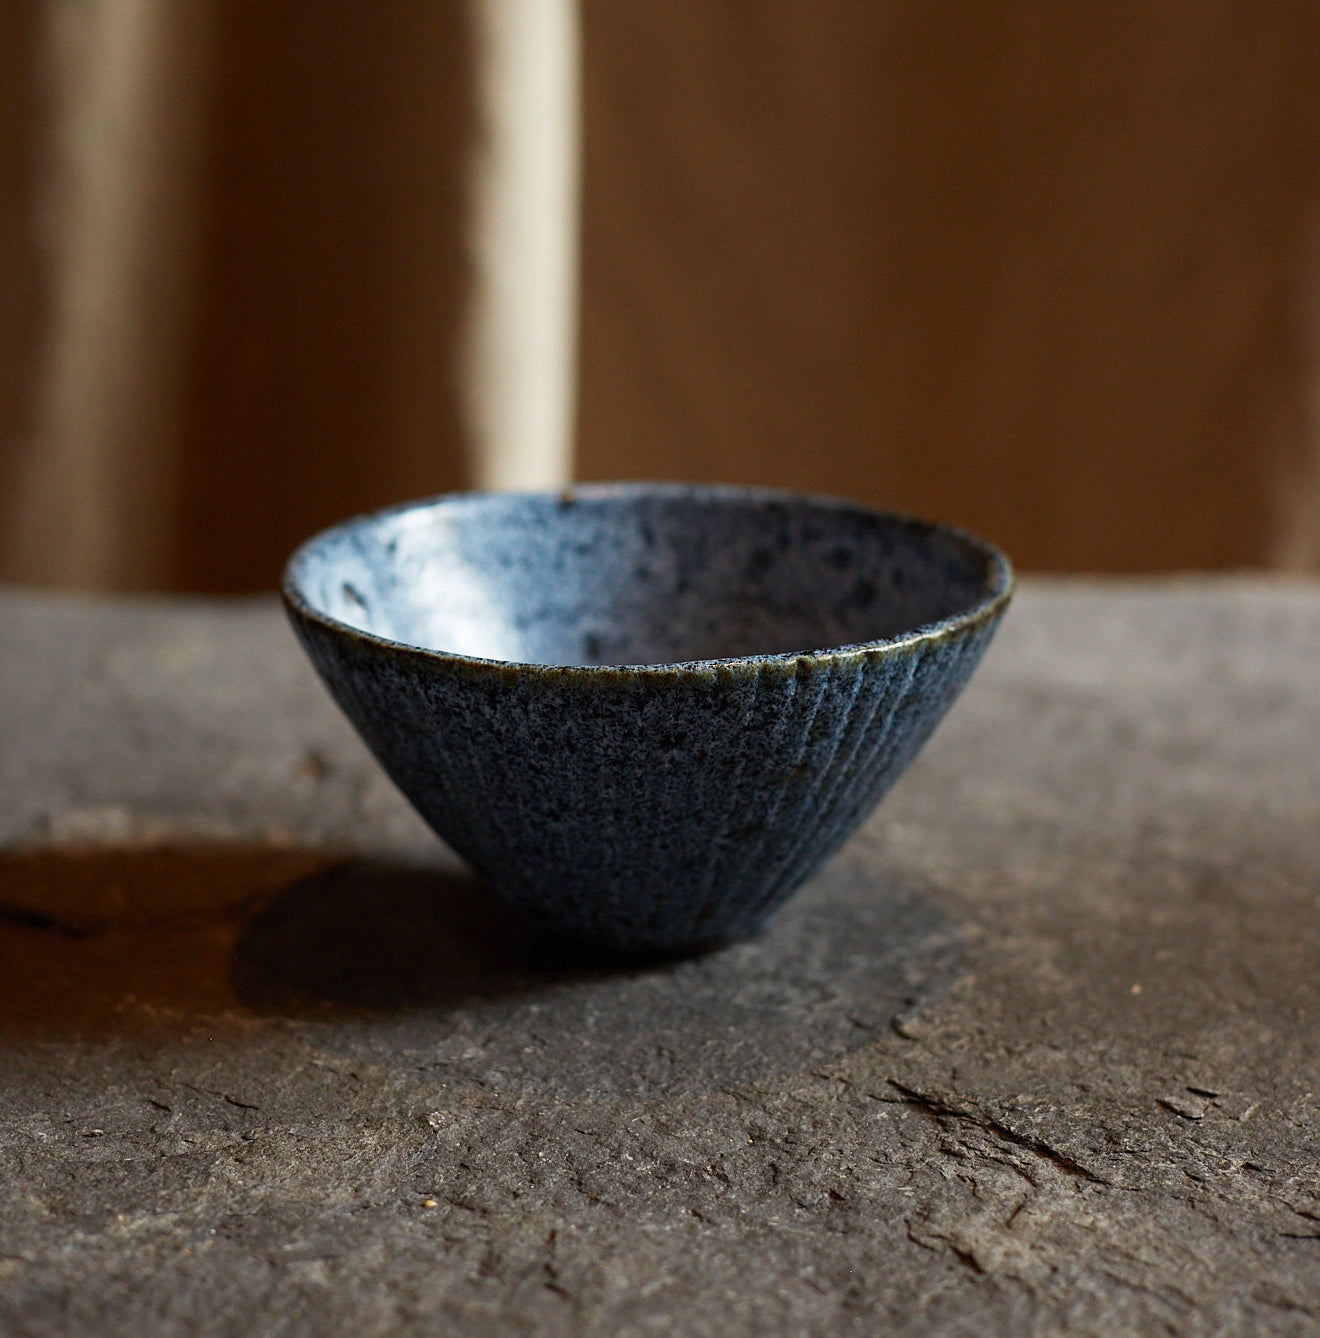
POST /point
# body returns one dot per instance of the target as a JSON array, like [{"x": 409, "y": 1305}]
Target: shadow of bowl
[
  {"x": 394, "y": 962},
  {"x": 436, "y": 968},
  {"x": 380, "y": 937}
]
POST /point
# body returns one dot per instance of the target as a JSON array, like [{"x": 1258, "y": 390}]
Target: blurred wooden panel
[
  {"x": 1040, "y": 269},
  {"x": 1047, "y": 270},
  {"x": 99, "y": 139},
  {"x": 332, "y": 277}
]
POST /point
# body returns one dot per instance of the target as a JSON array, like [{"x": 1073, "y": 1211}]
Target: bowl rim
[{"x": 999, "y": 584}]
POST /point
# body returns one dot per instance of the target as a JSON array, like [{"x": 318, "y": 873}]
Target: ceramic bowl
[{"x": 644, "y": 713}]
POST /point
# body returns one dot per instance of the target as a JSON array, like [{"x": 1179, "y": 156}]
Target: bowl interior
[{"x": 640, "y": 575}]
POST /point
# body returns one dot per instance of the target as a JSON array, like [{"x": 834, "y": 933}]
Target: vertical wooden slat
[
  {"x": 519, "y": 368},
  {"x": 332, "y": 278},
  {"x": 90, "y": 486},
  {"x": 24, "y": 271}
]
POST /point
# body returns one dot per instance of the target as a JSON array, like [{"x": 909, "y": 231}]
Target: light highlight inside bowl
[{"x": 644, "y": 575}]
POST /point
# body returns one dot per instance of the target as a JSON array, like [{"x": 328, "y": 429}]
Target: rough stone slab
[{"x": 1039, "y": 1052}]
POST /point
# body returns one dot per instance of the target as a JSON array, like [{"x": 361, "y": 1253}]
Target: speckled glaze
[{"x": 645, "y": 713}]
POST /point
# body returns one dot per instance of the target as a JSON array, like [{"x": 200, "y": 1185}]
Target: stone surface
[{"x": 1039, "y": 1051}]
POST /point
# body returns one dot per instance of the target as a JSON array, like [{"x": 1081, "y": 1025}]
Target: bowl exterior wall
[{"x": 646, "y": 810}]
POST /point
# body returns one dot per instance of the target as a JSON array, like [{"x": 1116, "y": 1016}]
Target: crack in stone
[
  {"x": 224, "y": 1096},
  {"x": 943, "y": 1109}
]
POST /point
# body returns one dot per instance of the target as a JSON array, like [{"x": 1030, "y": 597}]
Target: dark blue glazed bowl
[{"x": 645, "y": 713}]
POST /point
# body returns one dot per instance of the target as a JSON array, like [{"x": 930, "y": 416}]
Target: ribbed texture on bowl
[{"x": 647, "y": 816}]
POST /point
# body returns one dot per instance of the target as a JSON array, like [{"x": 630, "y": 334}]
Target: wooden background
[{"x": 1045, "y": 270}]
